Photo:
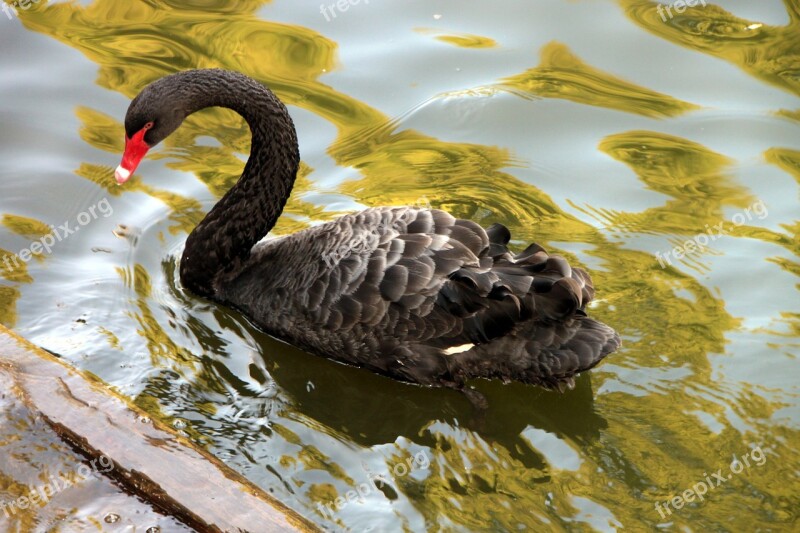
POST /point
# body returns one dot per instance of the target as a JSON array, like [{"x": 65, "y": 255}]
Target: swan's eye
[{"x": 148, "y": 126}]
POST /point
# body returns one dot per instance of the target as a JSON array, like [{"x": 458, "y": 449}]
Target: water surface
[{"x": 599, "y": 129}]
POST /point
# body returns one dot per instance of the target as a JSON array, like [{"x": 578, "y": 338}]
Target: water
[{"x": 595, "y": 128}]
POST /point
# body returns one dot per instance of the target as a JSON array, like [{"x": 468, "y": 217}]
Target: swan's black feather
[{"x": 442, "y": 299}]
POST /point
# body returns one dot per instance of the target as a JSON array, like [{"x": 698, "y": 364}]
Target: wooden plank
[{"x": 149, "y": 459}]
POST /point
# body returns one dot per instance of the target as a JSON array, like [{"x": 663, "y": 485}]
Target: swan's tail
[
  {"x": 549, "y": 355},
  {"x": 524, "y": 317}
]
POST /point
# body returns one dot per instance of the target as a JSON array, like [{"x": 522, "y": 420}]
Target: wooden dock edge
[{"x": 150, "y": 460}]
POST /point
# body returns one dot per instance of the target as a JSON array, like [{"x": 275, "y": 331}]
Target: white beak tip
[{"x": 122, "y": 174}]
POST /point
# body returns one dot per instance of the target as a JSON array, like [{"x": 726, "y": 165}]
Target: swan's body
[{"x": 413, "y": 294}]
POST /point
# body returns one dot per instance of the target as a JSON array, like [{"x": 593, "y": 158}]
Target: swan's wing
[
  {"x": 426, "y": 297},
  {"x": 424, "y": 274},
  {"x": 383, "y": 267}
]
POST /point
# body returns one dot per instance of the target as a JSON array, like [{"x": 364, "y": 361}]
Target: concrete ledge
[{"x": 149, "y": 460}]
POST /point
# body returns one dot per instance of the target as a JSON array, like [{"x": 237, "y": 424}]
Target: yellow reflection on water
[
  {"x": 791, "y": 115},
  {"x": 696, "y": 184},
  {"x": 770, "y": 53},
  {"x": 8, "y": 299},
  {"x": 462, "y": 40},
  {"x": 789, "y": 161},
  {"x": 163, "y": 350},
  {"x": 561, "y": 74},
  {"x": 663, "y": 415},
  {"x": 14, "y": 264}
]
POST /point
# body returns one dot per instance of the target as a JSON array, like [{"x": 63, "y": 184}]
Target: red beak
[{"x": 135, "y": 150}]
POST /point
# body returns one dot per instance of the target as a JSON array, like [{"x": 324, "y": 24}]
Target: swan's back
[{"x": 421, "y": 296}]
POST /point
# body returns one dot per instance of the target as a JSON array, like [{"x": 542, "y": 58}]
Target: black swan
[{"x": 413, "y": 294}]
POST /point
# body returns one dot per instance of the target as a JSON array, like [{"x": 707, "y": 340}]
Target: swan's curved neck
[{"x": 249, "y": 210}]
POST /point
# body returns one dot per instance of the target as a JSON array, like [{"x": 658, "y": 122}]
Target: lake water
[{"x": 608, "y": 131}]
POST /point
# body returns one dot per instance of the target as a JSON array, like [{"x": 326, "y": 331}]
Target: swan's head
[{"x": 152, "y": 116}]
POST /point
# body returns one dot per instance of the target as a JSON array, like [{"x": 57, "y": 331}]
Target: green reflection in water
[
  {"x": 561, "y": 74},
  {"x": 8, "y": 300},
  {"x": 30, "y": 228},
  {"x": 770, "y": 53},
  {"x": 791, "y": 115},
  {"x": 698, "y": 187},
  {"x": 789, "y": 161},
  {"x": 462, "y": 40},
  {"x": 13, "y": 265},
  {"x": 12, "y": 268},
  {"x": 646, "y": 438},
  {"x": 162, "y": 349}
]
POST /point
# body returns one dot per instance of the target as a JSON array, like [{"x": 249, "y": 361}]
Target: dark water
[{"x": 600, "y": 129}]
